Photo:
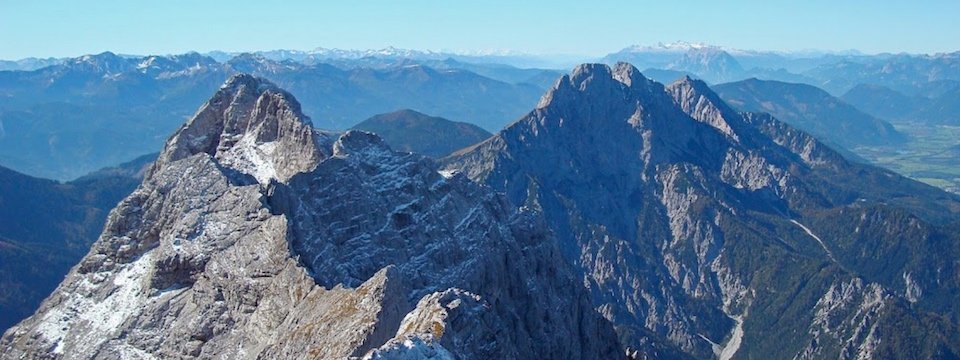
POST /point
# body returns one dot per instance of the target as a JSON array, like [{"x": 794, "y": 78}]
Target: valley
[{"x": 931, "y": 154}]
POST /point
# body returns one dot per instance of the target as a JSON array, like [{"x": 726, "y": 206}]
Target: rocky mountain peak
[
  {"x": 359, "y": 143},
  {"x": 621, "y": 74},
  {"x": 252, "y": 126},
  {"x": 676, "y": 208},
  {"x": 102, "y": 63},
  {"x": 713, "y": 63},
  {"x": 688, "y": 81},
  {"x": 687, "y": 89},
  {"x": 614, "y": 121},
  {"x": 700, "y": 102},
  {"x": 601, "y": 84},
  {"x": 248, "y": 84},
  {"x": 585, "y": 73},
  {"x": 628, "y": 74}
]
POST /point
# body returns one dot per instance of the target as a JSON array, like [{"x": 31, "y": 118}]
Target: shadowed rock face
[
  {"x": 255, "y": 236},
  {"x": 702, "y": 232}
]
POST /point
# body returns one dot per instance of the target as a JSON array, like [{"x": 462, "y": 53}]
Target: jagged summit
[
  {"x": 359, "y": 143},
  {"x": 599, "y": 78},
  {"x": 604, "y": 113},
  {"x": 686, "y": 80},
  {"x": 687, "y": 89},
  {"x": 242, "y": 83},
  {"x": 604, "y": 99},
  {"x": 700, "y": 102},
  {"x": 252, "y": 126},
  {"x": 628, "y": 74}
]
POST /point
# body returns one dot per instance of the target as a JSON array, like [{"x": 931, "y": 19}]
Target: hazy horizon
[
  {"x": 67, "y": 29},
  {"x": 499, "y": 52}
]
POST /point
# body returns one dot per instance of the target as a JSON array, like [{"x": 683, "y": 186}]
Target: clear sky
[{"x": 43, "y": 28}]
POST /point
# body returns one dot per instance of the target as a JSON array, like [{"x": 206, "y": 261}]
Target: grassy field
[{"x": 932, "y": 155}]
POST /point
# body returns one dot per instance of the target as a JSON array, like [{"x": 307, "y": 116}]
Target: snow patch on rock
[
  {"x": 413, "y": 347},
  {"x": 100, "y": 316},
  {"x": 253, "y": 158}
]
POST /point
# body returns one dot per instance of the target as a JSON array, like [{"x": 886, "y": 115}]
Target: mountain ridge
[
  {"x": 409, "y": 130},
  {"x": 813, "y": 110}
]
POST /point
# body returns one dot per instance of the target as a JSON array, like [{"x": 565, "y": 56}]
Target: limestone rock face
[
  {"x": 256, "y": 236},
  {"x": 250, "y": 126},
  {"x": 705, "y": 232}
]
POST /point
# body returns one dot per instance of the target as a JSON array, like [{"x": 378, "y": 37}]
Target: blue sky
[{"x": 71, "y": 28}]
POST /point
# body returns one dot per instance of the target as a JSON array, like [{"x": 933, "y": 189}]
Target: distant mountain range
[
  {"x": 938, "y": 104},
  {"x": 712, "y": 64},
  {"x": 719, "y": 64},
  {"x": 835, "y": 72},
  {"x": 327, "y": 55},
  {"x": 810, "y": 109},
  {"x": 796, "y": 61},
  {"x": 69, "y": 119},
  {"x": 53, "y": 120},
  {"x": 340, "y": 97},
  {"x": 909, "y": 74},
  {"x": 28, "y": 64}
]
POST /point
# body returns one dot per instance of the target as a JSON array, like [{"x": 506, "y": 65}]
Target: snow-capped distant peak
[
  {"x": 146, "y": 63},
  {"x": 676, "y": 46}
]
